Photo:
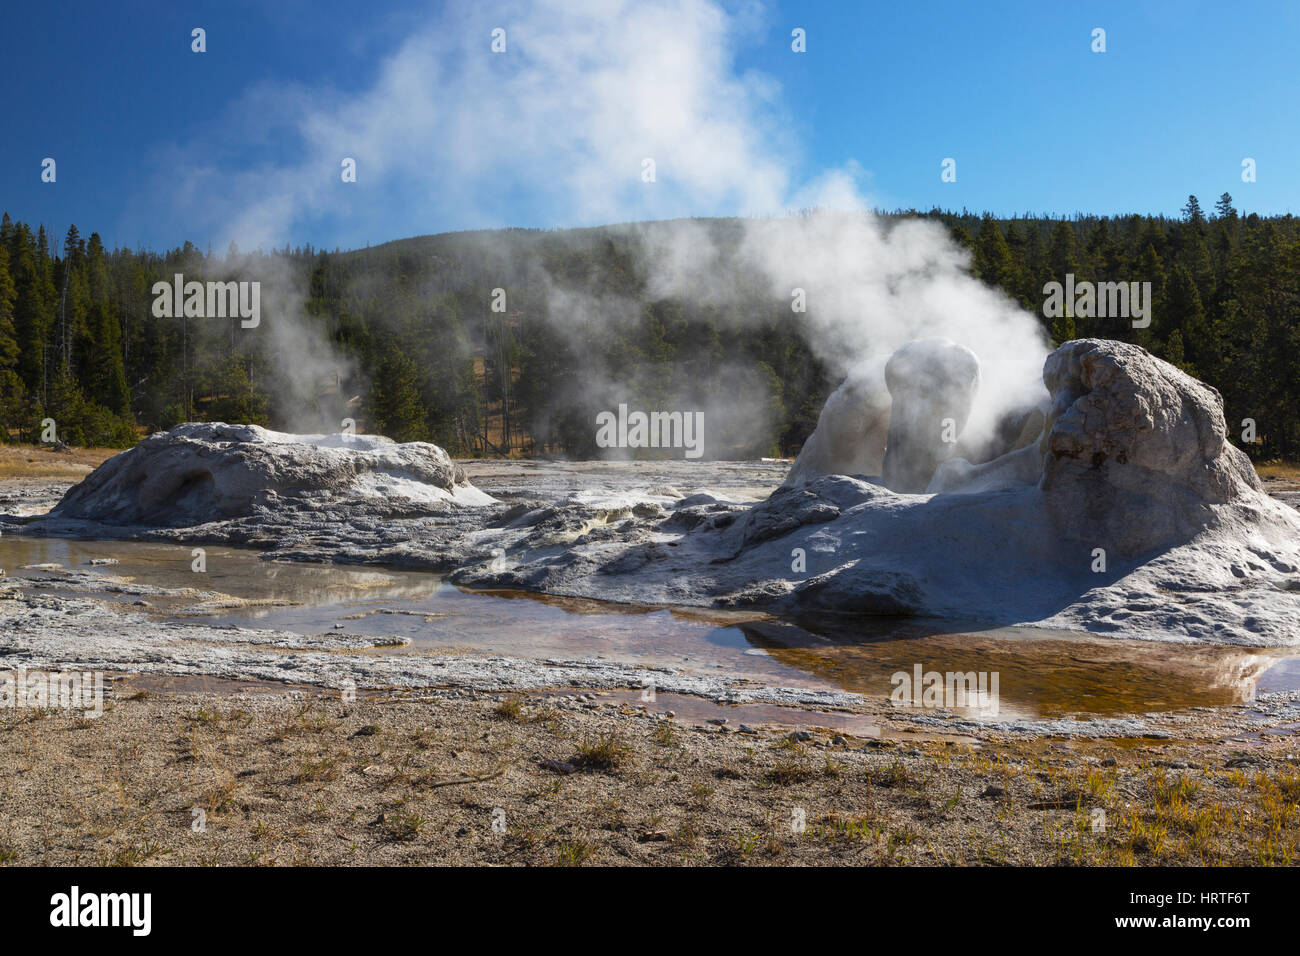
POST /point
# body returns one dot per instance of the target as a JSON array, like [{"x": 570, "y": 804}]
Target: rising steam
[{"x": 554, "y": 132}]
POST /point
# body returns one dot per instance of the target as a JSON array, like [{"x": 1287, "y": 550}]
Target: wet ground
[{"x": 1041, "y": 674}]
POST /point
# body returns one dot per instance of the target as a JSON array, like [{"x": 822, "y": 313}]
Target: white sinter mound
[
  {"x": 201, "y": 472},
  {"x": 1130, "y": 514}
]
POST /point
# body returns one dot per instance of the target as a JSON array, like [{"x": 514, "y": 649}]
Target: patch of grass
[
  {"x": 895, "y": 776},
  {"x": 605, "y": 752},
  {"x": 512, "y": 708},
  {"x": 1098, "y": 783},
  {"x": 424, "y": 739},
  {"x": 746, "y": 843},
  {"x": 215, "y": 799},
  {"x": 574, "y": 852},
  {"x": 404, "y": 826},
  {"x": 303, "y": 723},
  {"x": 835, "y": 827},
  {"x": 1177, "y": 789},
  {"x": 1286, "y": 470},
  {"x": 135, "y": 854},
  {"x": 38, "y": 461},
  {"x": 787, "y": 772},
  {"x": 700, "y": 794},
  {"x": 29, "y": 715},
  {"x": 211, "y": 717},
  {"x": 687, "y": 834},
  {"x": 319, "y": 770}
]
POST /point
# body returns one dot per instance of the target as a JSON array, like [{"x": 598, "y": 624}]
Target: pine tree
[
  {"x": 395, "y": 407},
  {"x": 1200, "y": 341},
  {"x": 993, "y": 261},
  {"x": 11, "y": 389}
]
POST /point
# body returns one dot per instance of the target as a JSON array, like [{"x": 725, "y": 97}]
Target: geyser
[
  {"x": 932, "y": 383},
  {"x": 1128, "y": 514},
  {"x": 203, "y": 472},
  {"x": 905, "y": 418},
  {"x": 851, "y": 429}
]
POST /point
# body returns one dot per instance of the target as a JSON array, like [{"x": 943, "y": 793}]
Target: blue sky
[{"x": 156, "y": 144}]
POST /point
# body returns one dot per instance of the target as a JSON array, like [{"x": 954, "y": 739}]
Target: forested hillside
[{"x": 417, "y": 350}]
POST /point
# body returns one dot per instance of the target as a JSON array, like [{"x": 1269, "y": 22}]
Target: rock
[
  {"x": 1136, "y": 450},
  {"x": 1019, "y": 469},
  {"x": 201, "y": 472},
  {"x": 851, "y": 429},
  {"x": 556, "y": 766},
  {"x": 787, "y": 510},
  {"x": 932, "y": 384},
  {"x": 858, "y": 589}
]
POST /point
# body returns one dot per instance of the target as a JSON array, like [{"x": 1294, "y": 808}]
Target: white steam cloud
[{"x": 453, "y": 135}]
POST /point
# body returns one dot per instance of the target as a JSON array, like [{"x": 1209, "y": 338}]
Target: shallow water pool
[{"x": 1041, "y": 674}]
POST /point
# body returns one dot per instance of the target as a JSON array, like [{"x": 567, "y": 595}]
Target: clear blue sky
[{"x": 156, "y": 144}]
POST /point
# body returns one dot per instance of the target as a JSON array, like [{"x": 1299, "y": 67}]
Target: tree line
[{"x": 421, "y": 349}]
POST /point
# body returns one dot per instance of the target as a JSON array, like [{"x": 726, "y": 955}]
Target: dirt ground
[
  {"x": 244, "y": 775},
  {"x": 168, "y": 777}
]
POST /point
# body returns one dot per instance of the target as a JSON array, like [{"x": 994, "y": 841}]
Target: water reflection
[{"x": 1040, "y": 673}]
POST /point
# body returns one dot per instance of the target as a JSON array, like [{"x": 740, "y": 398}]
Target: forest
[{"x": 474, "y": 340}]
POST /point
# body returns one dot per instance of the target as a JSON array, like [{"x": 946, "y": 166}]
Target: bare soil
[{"x": 176, "y": 777}]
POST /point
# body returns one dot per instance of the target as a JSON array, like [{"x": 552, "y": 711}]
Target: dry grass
[
  {"x": 37, "y": 461},
  {"x": 201, "y": 779},
  {"x": 1284, "y": 470}
]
